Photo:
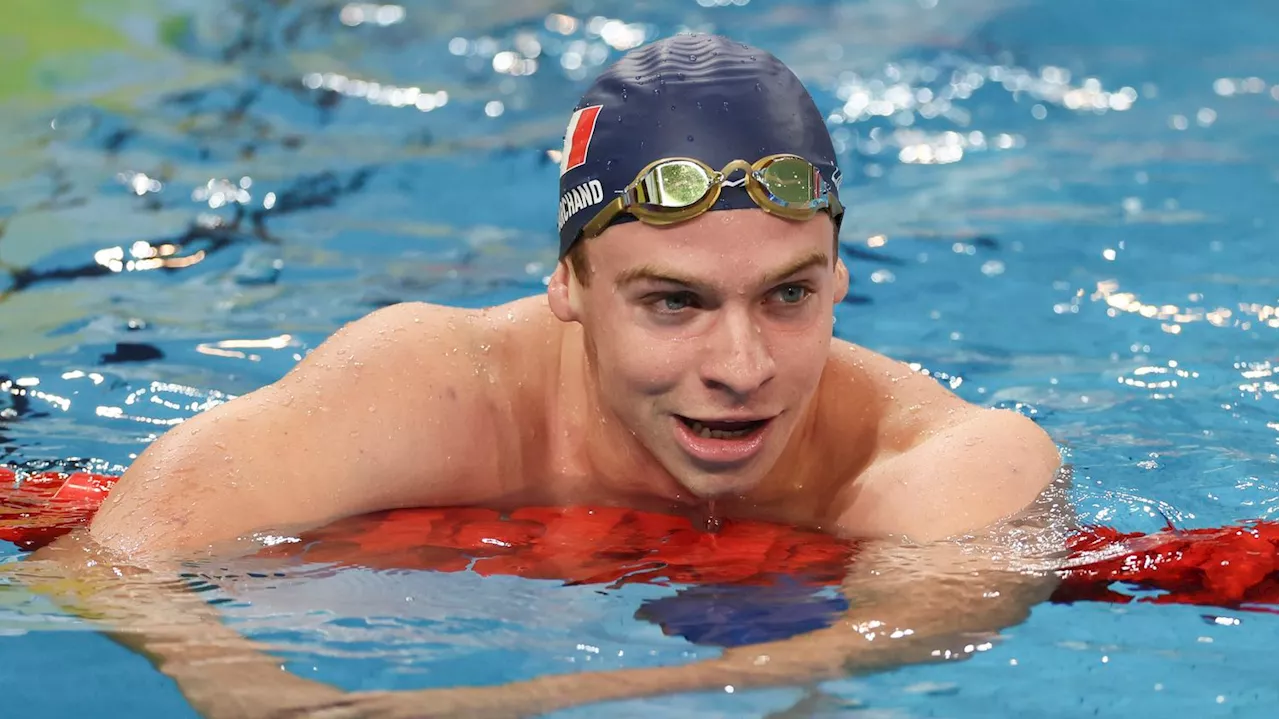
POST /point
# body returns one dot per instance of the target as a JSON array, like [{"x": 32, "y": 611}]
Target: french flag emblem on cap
[{"x": 578, "y": 138}]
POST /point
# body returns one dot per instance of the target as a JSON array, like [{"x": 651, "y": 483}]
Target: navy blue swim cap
[{"x": 699, "y": 96}]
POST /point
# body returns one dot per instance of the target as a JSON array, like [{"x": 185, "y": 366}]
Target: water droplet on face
[
  {"x": 673, "y": 107},
  {"x": 757, "y": 87},
  {"x": 689, "y": 138},
  {"x": 725, "y": 106}
]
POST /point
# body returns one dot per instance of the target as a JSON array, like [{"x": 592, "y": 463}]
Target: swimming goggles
[{"x": 677, "y": 189}]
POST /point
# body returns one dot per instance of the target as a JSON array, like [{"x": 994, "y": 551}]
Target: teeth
[{"x": 708, "y": 433}]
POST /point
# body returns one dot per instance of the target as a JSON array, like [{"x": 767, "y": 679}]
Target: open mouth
[{"x": 709, "y": 429}]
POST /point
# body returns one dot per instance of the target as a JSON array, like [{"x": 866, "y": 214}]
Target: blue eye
[
  {"x": 675, "y": 303},
  {"x": 793, "y": 294}
]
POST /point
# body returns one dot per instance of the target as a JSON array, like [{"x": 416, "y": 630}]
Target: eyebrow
[{"x": 652, "y": 273}]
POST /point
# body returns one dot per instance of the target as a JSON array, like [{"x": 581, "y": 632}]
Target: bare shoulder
[
  {"x": 395, "y": 409},
  {"x": 908, "y": 404},
  {"x": 424, "y": 363},
  {"x": 420, "y": 345},
  {"x": 399, "y": 357},
  {"x": 942, "y": 465}
]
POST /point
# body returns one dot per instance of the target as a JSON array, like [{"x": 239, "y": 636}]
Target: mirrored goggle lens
[
  {"x": 792, "y": 181},
  {"x": 673, "y": 185}
]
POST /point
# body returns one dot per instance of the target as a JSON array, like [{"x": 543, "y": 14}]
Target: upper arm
[{"x": 380, "y": 415}]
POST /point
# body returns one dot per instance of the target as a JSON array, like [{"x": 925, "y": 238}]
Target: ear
[
  {"x": 842, "y": 281},
  {"x": 564, "y": 294}
]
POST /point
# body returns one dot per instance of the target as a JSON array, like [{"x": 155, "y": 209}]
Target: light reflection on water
[{"x": 1063, "y": 210}]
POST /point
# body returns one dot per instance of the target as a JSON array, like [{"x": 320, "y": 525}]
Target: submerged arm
[
  {"x": 153, "y": 612},
  {"x": 909, "y": 605}
]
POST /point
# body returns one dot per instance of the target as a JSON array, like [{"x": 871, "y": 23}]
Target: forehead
[{"x": 735, "y": 244}]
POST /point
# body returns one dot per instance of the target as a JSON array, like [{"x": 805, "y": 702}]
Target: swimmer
[{"x": 681, "y": 360}]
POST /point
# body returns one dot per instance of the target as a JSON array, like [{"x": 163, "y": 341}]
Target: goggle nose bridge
[{"x": 722, "y": 177}]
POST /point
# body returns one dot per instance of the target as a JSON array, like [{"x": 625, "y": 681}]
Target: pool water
[{"x": 1064, "y": 208}]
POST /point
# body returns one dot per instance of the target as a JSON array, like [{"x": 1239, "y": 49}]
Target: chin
[{"x": 704, "y": 485}]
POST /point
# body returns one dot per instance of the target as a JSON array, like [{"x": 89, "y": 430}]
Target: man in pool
[{"x": 682, "y": 360}]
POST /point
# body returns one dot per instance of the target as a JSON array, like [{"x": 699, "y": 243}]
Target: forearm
[
  {"x": 858, "y": 643},
  {"x": 152, "y": 612},
  {"x": 929, "y": 621}
]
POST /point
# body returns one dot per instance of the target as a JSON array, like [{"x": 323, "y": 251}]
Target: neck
[
  {"x": 796, "y": 478},
  {"x": 803, "y": 484}
]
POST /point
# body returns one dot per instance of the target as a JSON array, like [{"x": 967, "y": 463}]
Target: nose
[{"x": 738, "y": 358}]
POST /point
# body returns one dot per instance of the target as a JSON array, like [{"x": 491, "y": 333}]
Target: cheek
[
  {"x": 649, "y": 366},
  {"x": 636, "y": 362},
  {"x": 802, "y": 358}
]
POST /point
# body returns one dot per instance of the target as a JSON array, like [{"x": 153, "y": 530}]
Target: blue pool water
[{"x": 1069, "y": 208}]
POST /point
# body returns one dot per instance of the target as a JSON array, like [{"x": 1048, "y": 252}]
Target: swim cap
[{"x": 700, "y": 96}]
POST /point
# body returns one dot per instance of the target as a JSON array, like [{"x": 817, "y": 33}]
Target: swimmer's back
[{"x": 403, "y": 407}]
